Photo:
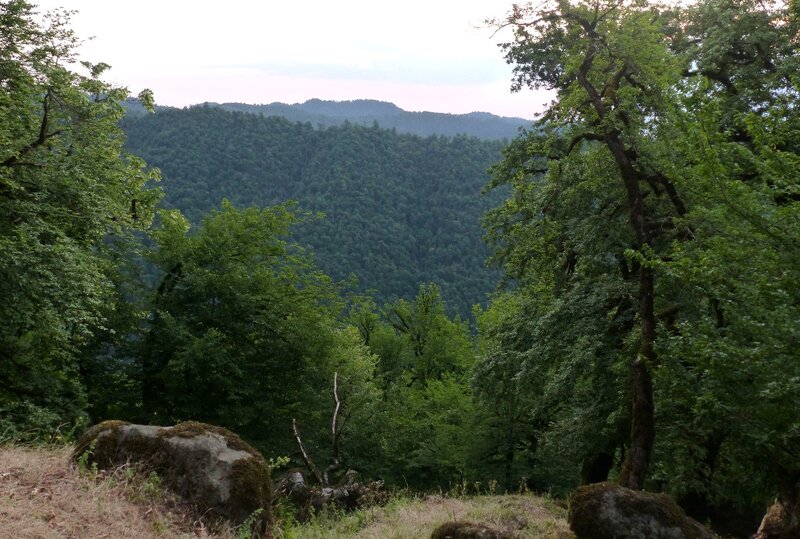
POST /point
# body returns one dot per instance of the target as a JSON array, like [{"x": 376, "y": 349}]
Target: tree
[
  {"x": 734, "y": 370},
  {"x": 433, "y": 343},
  {"x": 655, "y": 211},
  {"x": 66, "y": 186},
  {"x": 243, "y": 327},
  {"x": 423, "y": 423},
  {"x": 610, "y": 64}
]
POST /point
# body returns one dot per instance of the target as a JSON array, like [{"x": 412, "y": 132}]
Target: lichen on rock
[{"x": 206, "y": 465}]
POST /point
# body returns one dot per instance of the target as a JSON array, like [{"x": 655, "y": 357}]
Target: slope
[{"x": 400, "y": 210}]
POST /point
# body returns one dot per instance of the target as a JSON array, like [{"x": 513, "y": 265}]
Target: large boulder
[
  {"x": 608, "y": 511},
  {"x": 464, "y": 529},
  {"x": 208, "y": 466}
]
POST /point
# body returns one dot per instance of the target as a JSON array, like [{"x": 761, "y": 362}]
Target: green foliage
[
  {"x": 242, "y": 328},
  {"x": 66, "y": 185},
  {"x": 702, "y": 102},
  {"x": 423, "y": 417},
  {"x": 399, "y": 210}
]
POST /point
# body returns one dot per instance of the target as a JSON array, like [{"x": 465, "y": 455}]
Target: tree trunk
[{"x": 637, "y": 460}]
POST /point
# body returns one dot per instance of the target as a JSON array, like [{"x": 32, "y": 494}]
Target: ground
[{"x": 44, "y": 496}]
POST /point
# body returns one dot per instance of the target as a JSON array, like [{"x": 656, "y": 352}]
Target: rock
[
  {"x": 608, "y": 511},
  {"x": 464, "y": 529},
  {"x": 208, "y": 466}
]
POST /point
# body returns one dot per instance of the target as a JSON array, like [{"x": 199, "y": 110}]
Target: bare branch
[
  {"x": 335, "y": 431},
  {"x": 306, "y": 458}
]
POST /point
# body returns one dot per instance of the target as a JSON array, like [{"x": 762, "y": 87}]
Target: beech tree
[{"x": 242, "y": 331}]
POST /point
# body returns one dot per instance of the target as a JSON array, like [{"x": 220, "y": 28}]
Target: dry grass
[
  {"x": 42, "y": 496},
  {"x": 413, "y": 518}
]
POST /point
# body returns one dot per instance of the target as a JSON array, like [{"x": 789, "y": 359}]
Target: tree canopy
[
  {"x": 651, "y": 218},
  {"x": 68, "y": 192}
]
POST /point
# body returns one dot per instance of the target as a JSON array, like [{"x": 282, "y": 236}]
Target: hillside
[
  {"x": 368, "y": 112},
  {"x": 46, "y": 497},
  {"x": 400, "y": 210},
  {"x": 389, "y": 116}
]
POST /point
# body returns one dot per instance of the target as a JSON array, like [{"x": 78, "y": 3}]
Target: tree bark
[{"x": 637, "y": 460}]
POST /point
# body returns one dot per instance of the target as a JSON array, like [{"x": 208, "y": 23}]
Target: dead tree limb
[
  {"x": 335, "y": 431},
  {"x": 306, "y": 458}
]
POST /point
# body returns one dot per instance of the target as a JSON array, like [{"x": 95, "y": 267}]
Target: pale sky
[{"x": 433, "y": 55}]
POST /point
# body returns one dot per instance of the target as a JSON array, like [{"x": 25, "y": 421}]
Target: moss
[
  {"x": 190, "y": 429},
  {"x": 251, "y": 490},
  {"x": 622, "y": 509},
  {"x": 102, "y": 447}
]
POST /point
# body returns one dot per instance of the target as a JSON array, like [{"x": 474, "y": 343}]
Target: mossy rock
[
  {"x": 608, "y": 511},
  {"x": 206, "y": 465},
  {"x": 465, "y": 529}
]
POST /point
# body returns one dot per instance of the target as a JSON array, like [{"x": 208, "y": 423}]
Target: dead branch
[
  {"x": 335, "y": 463},
  {"x": 306, "y": 458}
]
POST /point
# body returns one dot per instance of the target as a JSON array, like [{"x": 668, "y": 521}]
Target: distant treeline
[{"x": 368, "y": 112}]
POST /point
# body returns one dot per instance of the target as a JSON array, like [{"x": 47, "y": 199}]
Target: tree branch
[
  {"x": 577, "y": 139},
  {"x": 43, "y": 136},
  {"x": 335, "y": 431},
  {"x": 306, "y": 458}
]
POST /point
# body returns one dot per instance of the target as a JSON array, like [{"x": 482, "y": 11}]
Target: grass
[
  {"x": 44, "y": 496},
  {"x": 526, "y": 515}
]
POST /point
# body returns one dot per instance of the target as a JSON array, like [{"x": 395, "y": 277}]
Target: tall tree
[
  {"x": 66, "y": 185},
  {"x": 609, "y": 62},
  {"x": 659, "y": 198}
]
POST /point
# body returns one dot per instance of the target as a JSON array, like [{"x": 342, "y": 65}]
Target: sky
[{"x": 434, "y": 55}]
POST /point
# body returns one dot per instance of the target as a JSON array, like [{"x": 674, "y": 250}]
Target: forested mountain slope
[
  {"x": 400, "y": 210},
  {"x": 389, "y": 116}
]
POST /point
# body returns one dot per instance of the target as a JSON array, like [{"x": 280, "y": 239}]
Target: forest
[
  {"x": 397, "y": 210},
  {"x": 368, "y": 112},
  {"x": 645, "y": 236}
]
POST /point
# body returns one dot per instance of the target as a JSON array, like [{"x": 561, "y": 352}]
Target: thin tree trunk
[
  {"x": 309, "y": 463},
  {"x": 637, "y": 460}
]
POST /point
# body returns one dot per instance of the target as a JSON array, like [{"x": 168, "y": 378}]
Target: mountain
[
  {"x": 389, "y": 116},
  {"x": 400, "y": 209}
]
